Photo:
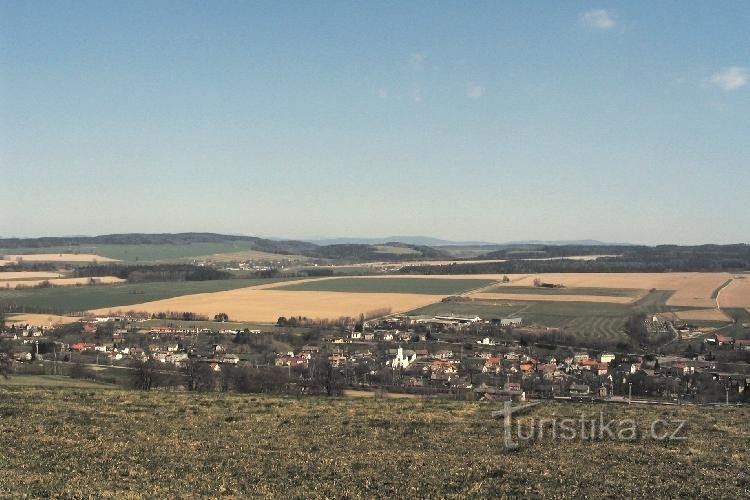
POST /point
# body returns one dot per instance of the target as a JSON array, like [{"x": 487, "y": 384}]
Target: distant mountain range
[{"x": 430, "y": 241}]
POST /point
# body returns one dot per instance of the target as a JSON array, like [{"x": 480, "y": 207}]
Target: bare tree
[
  {"x": 6, "y": 361},
  {"x": 145, "y": 374}
]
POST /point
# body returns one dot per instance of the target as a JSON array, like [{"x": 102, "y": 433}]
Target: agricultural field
[
  {"x": 587, "y": 320},
  {"x": 54, "y": 257},
  {"x": 61, "y": 282},
  {"x": 431, "y": 286},
  {"x": 41, "y": 320},
  {"x": 315, "y": 298},
  {"x": 27, "y": 275},
  {"x": 266, "y": 305},
  {"x": 142, "y": 253},
  {"x": 736, "y": 293},
  {"x": 536, "y": 295},
  {"x": 79, "y": 299},
  {"x": 94, "y": 442},
  {"x": 690, "y": 289}
]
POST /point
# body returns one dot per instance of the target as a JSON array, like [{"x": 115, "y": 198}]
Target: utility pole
[{"x": 630, "y": 392}]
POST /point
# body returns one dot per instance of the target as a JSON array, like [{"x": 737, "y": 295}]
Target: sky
[{"x": 494, "y": 121}]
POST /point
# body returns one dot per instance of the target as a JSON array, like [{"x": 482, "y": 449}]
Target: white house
[{"x": 606, "y": 357}]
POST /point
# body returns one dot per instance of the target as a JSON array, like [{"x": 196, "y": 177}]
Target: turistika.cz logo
[{"x": 586, "y": 428}]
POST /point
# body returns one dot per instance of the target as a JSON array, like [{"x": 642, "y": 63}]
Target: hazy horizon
[
  {"x": 389, "y": 238},
  {"x": 620, "y": 122}
]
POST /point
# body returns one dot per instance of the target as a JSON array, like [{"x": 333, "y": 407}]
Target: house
[
  {"x": 723, "y": 340},
  {"x": 742, "y": 345},
  {"x": 588, "y": 364},
  {"x": 511, "y": 322},
  {"x": 580, "y": 356},
  {"x": 486, "y": 341},
  {"x": 606, "y": 357},
  {"x": 600, "y": 369},
  {"x": 546, "y": 369},
  {"x": 579, "y": 390},
  {"x": 231, "y": 359},
  {"x": 337, "y": 359},
  {"x": 492, "y": 364},
  {"x": 448, "y": 367},
  {"x": 680, "y": 369},
  {"x": 459, "y": 319},
  {"x": 486, "y": 393},
  {"x": 81, "y": 346}
]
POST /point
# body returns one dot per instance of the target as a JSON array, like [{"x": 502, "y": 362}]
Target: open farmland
[
  {"x": 690, "y": 289},
  {"x": 41, "y": 320},
  {"x": 27, "y": 276},
  {"x": 137, "y": 252},
  {"x": 616, "y": 299},
  {"x": 587, "y": 320},
  {"x": 56, "y": 257},
  {"x": 267, "y": 305},
  {"x": 737, "y": 293},
  {"x": 433, "y": 285},
  {"x": 703, "y": 315},
  {"x": 78, "y": 299},
  {"x": 94, "y": 442},
  {"x": 61, "y": 282}
]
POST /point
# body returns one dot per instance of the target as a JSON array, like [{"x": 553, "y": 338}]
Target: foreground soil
[{"x": 100, "y": 442}]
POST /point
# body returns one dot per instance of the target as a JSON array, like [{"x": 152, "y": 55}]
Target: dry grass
[
  {"x": 691, "y": 289},
  {"x": 266, "y": 305},
  {"x": 41, "y": 319},
  {"x": 61, "y": 282},
  {"x": 737, "y": 293},
  {"x": 28, "y": 275},
  {"x": 58, "y": 257},
  {"x": 96, "y": 443},
  {"x": 702, "y": 315},
  {"x": 553, "y": 298}
]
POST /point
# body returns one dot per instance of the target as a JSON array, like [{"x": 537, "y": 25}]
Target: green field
[
  {"x": 143, "y": 253},
  {"x": 593, "y": 320},
  {"x": 64, "y": 300},
  {"x": 430, "y": 286},
  {"x": 89, "y": 442}
]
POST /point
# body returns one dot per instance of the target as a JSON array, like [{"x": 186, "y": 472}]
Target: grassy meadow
[{"x": 94, "y": 442}]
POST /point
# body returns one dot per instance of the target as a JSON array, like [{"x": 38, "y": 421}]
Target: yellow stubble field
[
  {"x": 691, "y": 289},
  {"x": 40, "y": 320},
  {"x": 737, "y": 293},
  {"x": 56, "y": 257},
  {"x": 265, "y": 305}
]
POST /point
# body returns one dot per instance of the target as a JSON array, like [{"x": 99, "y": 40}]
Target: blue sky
[{"x": 464, "y": 120}]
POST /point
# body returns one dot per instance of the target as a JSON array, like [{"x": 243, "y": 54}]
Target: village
[{"x": 448, "y": 356}]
